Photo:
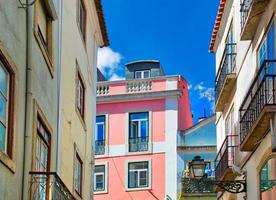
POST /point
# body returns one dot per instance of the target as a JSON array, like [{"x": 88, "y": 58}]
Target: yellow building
[{"x": 48, "y": 56}]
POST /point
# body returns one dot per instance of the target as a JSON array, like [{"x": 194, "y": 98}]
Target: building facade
[
  {"x": 36, "y": 156},
  {"x": 199, "y": 140},
  {"x": 244, "y": 43},
  {"x": 137, "y": 123}
]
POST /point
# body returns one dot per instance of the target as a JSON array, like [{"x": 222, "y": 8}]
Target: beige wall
[
  {"x": 81, "y": 56},
  {"x": 13, "y": 42}
]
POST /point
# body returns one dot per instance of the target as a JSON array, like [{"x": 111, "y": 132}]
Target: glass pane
[
  {"x": 144, "y": 129},
  {"x": 146, "y": 74},
  {"x": 138, "y": 75},
  {"x": 132, "y": 179},
  {"x": 100, "y": 132},
  {"x": 134, "y": 129},
  {"x": 100, "y": 119},
  {"x": 3, "y": 109},
  {"x": 3, "y": 80},
  {"x": 2, "y": 138},
  {"x": 138, "y": 165},
  {"x": 143, "y": 115},
  {"x": 268, "y": 180},
  {"x": 99, "y": 169}
]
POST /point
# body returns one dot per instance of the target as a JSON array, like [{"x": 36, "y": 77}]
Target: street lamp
[
  {"x": 197, "y": 167},
  {"x": 199, "y": 182}
]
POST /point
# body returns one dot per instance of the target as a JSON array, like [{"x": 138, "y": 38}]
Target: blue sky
[{"x": 176, "y": 32}]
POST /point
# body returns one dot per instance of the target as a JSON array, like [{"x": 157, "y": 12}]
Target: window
[
  {"x": 42, "y": 148},
  {"x": 6, "y": 108},
  {"x": 99, "y": 178},
  {"x": 43, "y": 30},
  {"x": 266, "y": 49},
  {"x": 4, "y": 105},
  {"x": 100, "y": 135},
  {"x": 230, "y": 50},
  {"x": 268, "y": 180},
  {"x": 142, "y": 74},
  {"x": 42, "y": 159},
  {"x": 139, "y": 131},
  {"x": 80, "y": 96},
  {"x": 78, "y": 175},
  {"x": 81, "y": 18},
  {"x": 229, "y": 123},
  {"x": 138, "y": 174}
]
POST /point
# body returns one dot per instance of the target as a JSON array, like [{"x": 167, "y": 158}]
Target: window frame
[
  {"x": 7, "y": 157},
  {"x": 81, "y": 3},
  {"x": 80, "y": 78},
  {"x": 149, "y": 174},
  {"x": 105, "y": 136},
  {"x": 142, "y": 73},
  {"x": 127, "y": 132},
  {"x": 105, "y": 191},
  {"x": 46, "y": 47},
  {"x": 79, "y": 160}
]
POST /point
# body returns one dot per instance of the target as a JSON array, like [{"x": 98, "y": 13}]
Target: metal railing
[
  {"x": 245, "y": 8},
  {"x": 198, "y": 186},
  {"x": 226, "y": 156},
  {"x": 260, "y": 94},
  {"x": 48, "y": 186},
  {"x": 227, "y": 66},
  {"x": 138, "y": 144},
  {"x": 99, "y": 147},
  {"x": 139, "y": 85}
]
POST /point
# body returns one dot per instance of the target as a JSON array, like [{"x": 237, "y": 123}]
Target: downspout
[
  {"x": 59, "y": 90},
  {"x": 28, "y": 100}
]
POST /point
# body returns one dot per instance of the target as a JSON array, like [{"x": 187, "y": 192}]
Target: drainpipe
[
  {"x": 59, "y": 90},
  {"x": 28, "y": 102}
]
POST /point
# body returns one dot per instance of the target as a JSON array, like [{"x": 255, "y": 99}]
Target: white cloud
[
  {"x": 205, "y": 92},
  {"x": 190, "y": 86},
  {"x": 108, "y": 61},
  {"x": 116, "y": 77}
]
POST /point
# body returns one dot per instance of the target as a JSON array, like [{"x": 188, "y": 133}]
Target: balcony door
[
  {"x": 230, "y": 50},
  {"x": 100, "y": 135},
  {"x": 266, "y": 64},
  {"x": 139, "y": 131}
]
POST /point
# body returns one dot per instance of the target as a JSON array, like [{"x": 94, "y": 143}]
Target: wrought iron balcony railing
[
  {"x": 138, "y": 144},
  {"x": 251, "y": 12},
  {"x": 226, "y": 68},
  {"x": 99, "y": 147},
  {"x": 48, "y": 186},
  {"x": 198, "y": 186},
  {"x": 257, "y": 106},
  {"x": 245, "y": 7},
  {"x": 225, "y": 158}
]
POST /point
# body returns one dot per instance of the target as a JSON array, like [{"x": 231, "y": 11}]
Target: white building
[{"x": 244, "y": 42}]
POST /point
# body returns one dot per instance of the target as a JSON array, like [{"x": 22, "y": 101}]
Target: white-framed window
[
  {"x": 99, "y": 178},
  {"x": 141, "y": 74},
  {"x": 138, "y": 131},
  {"x": 138, "y": 175},
  {"x": 100, "y": 135}
]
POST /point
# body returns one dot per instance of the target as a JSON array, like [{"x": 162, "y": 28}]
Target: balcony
[
  {"x": 99, "y": 147},
  {"x": 226, "y": 76},
  {"x": 251, "y": 12},
  {"x": 225, "y": 159},
  {"x": 138, "y": 144},
  {"x": 258, "y": 107},
  {"x": 198, "y": 187},
  {"x": 48, "y": 186}
]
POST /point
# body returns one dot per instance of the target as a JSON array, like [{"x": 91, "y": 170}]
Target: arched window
[{"x": 268, "y": 180}]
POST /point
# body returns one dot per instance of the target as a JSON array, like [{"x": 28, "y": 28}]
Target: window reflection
[{"x": 268, "y": 180}]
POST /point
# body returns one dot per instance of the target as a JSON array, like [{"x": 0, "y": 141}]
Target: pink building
[{"x": 138, "y": 120}]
